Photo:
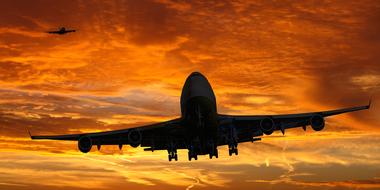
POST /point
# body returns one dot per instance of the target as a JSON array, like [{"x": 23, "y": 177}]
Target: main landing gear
[
  {"x": 213, "y": 152},
  {"x": 232, "y": 148},
  {"x": 173, "y": 155},
  {"x": 192, "y": 153}
]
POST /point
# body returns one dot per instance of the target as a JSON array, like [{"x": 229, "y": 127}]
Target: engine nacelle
[
  {"x": 85, "y": 144},
  {"x": 134, "y": 138},
  {"x": 267, "y": 126},
  {"x": 317, "y": 122}
]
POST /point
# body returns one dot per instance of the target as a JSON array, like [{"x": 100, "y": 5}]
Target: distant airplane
[
  {"x": 201, "y": 129},
  {"x": 61, "y": 31}
]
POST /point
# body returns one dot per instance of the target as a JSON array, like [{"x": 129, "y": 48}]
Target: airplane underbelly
[{"x": 201, "y": 119}]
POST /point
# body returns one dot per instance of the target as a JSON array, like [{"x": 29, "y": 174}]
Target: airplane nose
[
  {"x": 197, "y": 79},
  {"x": 196, "y": 85},
  {"x": 196, "y": 73}
]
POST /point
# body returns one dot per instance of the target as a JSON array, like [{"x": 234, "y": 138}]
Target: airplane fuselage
[
  {"x": 199, "y": 113},
  {"x": 61, "y": 31}
]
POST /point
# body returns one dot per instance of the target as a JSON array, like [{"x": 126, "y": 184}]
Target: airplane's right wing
[{"x": 243, "y": 128}]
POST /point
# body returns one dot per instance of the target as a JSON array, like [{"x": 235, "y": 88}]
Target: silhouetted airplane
[
  {"x": 200, "y": 129},
  {"x": 61, "y": 31}
]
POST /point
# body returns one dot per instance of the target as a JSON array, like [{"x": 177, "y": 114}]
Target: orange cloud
[{"x": 126, "y": 66}]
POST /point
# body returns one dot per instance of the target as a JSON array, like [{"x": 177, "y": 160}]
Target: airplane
[
  {"x": 201, "y": 129},
  {"x": 60, "y": 31}
]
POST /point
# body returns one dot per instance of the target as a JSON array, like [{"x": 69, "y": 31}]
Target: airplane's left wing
[
  {"x": 243, "y": 128},
  {"x": 53, "y": 32},
  {"x": 155, "y": 136}
]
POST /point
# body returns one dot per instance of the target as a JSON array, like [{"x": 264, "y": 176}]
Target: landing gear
[
  {"x": 195, "y": 156},
  {"x": 173, "y": 155},
  {"x": 232, "y": 141},
  {"x": 192, "y": 153},
  {"x": 172, "y": 151},
  {"x": 232, "y": 148},
  {"x": 213, "y": 152},
  {"x": 231, "y": 151}
]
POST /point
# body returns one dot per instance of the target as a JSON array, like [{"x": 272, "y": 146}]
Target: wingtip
[
  {"x": 30, "y": 135},
  {"x": 369, "y": 103}
]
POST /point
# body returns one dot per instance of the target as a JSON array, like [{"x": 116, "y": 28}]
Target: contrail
[{"x": 193, "y": 184}]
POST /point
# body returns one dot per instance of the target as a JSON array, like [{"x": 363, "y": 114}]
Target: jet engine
[
  {"x": 134, "y": 138},
  {"x": 267, "y": 126},
  {"x": 84, "y": 144},
  {"x": 317, "y": 122}
]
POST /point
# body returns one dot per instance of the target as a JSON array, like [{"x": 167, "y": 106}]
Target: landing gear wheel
[
  {"x": 232, "y": 149},
  {"x": 213, "y": 153},
  {"x": 173, "y": 155},
  {"x": 192, "y": 155}
]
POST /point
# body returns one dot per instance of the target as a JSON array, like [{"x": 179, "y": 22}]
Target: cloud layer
[{"x": 126, "y": 66}]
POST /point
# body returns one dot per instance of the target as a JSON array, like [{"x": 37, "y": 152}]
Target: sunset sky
[{"x": 126, "y": 65}]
